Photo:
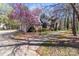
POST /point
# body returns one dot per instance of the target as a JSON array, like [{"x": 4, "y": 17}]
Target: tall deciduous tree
[
  {"x": 25, "y": 16},
  {"x": 73, "y": 21}
]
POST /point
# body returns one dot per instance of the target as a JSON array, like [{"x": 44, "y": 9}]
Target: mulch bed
[{"x": 25, "y": 36}]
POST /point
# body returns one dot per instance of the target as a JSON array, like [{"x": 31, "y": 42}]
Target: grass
[
  {"x": 58, "y": 51},
  {"x": 43, "y": 33},
  {"x": 77, "y": 31},
  {"x": 46, "y": 32},
  {"x": 43, "y": 51}
]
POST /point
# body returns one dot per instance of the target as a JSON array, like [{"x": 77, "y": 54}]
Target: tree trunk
[
  {"x": 60, "y": 25},
  {"x": 64, "y": 23},
  {"x": 67, "y": 23},
  {"x": 77, "y": 24},
  {"x": 55, "y": 26},
  {"x": 73, "y": 24},
  {"x": 74, "y": 8}
]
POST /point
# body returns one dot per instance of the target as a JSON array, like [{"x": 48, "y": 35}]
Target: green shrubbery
[
  {"x": 9, "y": 23},
  {"x": 12, "y": 24}
]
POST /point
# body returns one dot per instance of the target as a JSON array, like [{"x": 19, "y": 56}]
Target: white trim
[{"x": 7, "y": 31}]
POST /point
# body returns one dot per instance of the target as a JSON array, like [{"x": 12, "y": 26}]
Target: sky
[
  {"x": 31, "y": 6},
  {"x": 38, "y": 5}
]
